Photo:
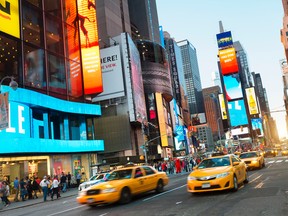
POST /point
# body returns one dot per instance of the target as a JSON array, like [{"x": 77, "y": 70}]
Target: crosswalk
[{"x": 276, "y": 161}]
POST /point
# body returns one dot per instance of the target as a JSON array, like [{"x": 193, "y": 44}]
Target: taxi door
[
  {"x": 140, "y": 181},
  {"x": 240, "y": 169}
]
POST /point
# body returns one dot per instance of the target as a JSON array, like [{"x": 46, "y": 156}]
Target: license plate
[
  {"x": 206, "y": 185},
  {"x": 90, "y": 200}
]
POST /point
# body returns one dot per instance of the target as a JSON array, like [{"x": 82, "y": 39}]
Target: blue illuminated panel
[{"x": 237, "y": 113}]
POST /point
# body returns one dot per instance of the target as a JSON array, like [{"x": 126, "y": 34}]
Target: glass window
[
  {"x": 34, "y": 71},
  {"x": 32, "y": 25},
  {"x": 9, "y": 59},
  {"x": 57, "y": 75},
  {"x": 74, "y": 127},
  {"x": 35, "y": 2},
  {"x": 149, "y": 171},
  {"x": 54, "y": 37},
  {"x": 54, "y": 8}
]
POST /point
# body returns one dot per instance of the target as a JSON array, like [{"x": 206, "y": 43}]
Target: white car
[{"x": 92, "y": 181}]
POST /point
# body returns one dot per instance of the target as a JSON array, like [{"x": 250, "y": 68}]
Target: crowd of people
[{"x": 30, "y": 187}]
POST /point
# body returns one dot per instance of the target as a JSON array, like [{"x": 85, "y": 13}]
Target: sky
[{"x": 255, "y": 23}]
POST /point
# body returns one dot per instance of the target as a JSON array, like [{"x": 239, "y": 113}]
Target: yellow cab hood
[
  {"x": 210, "y": 171},
  {"x": 249, "y": 159}
]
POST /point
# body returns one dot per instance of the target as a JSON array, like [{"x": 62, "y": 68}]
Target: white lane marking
[
  {"x": 164, "y": 193},
  {"x": 57, "y": 213},
  {"x": 279, "y": 161},
  {"x": 178, "y": 202},
  {"x": 286, "y": 160},
  {"x": 259, "y": 185},
  {"x": 103, "y": 214},
  {"x": 269, "y": 162},
  {"x": 256, "y": 178}
]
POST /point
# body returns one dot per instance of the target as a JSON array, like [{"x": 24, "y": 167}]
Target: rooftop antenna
[{"x": 221, "y": 27}]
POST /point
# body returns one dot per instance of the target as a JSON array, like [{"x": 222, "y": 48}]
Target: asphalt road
[{"x": 266, "y": 194}]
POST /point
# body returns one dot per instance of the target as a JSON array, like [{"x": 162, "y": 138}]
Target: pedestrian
[
  {"x": 23, "y": 190},
  {"x": 78, "y": 178},
  {"x": 55, "y": 187},
  {"x": 44, "y": 185},
  {"x": 35, "y": 188},
  {"x": 16, "y": 188},
  {"x": 63, "y": 182},
  {"x": 69, "y": 179},
  {"x": 29, "y": 188},
  {"x": 6, "y": 193}
]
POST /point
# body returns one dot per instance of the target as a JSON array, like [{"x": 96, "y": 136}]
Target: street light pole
[{"x": 13, "y": 84}]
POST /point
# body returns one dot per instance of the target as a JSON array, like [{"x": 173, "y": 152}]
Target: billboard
[
  {"x": 4, "y": 111},
  {"x": 73, "y": 50},
  {"x": 9, "y": 17},
  {"x": 113, "y": 81},
  {"x": 252, "y": 101},
  {"x": 162, "y": 114},
  {"x": 233, "y": 87},
  {"x": 86, "y": 21},
  {"x": 222, "y": 106},
  {"x": 228, "y": 61},
  {"x": 237, "y": 113},
  {"x": 224, "y": 39},
  {"x": 257, "y": 125}
]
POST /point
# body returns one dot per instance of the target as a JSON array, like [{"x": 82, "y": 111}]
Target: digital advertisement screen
[
  {"x": 252, "y": 101},
  {"x": 87, "y": 23},
  {"x": 233, "y": 86},
  {"x": 222, "y": 106},
  {"x": 257, "y": 124},
  {"x": 224, "y": 39},
  {"x": 228, "y": 61},
  {"x": 237, "y": 113},
  {"x": 9, "y": 18}
]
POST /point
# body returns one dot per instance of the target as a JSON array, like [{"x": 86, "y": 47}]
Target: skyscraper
[{"x": 192, "y": 78}]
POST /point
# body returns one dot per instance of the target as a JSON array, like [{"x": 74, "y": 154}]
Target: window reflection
[
  {"x": 57, "y": 76},
  {"x": 9, "y": 61},
  {"x": 54, "y": 37},
  {"x": 35, "y": 2},
  {"x": 54, "y": 8},
  {"x": 32, "y": 25},
  {"x": 34, "y": 73}
]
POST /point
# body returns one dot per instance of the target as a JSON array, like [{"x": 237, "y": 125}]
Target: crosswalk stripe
[
  {"x": 269, "y": 162},
  {"x": 279, "y": 161},
  {"x": 286, "y": 160}
]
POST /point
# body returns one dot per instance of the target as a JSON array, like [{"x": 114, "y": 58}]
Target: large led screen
[
  {"x": 233, "y": 86},
  {"x": 224, "y": 39},
  {"x": 9, "y": 17},
  {"x": 252, "y": 101},
  {"x": 73, "y": 50},
  {"x": 237, "y": 113},
  {"x": 257, "y": 125},
  {"x": 87, "y": 22},
  {"x": 228, "y": 61}
]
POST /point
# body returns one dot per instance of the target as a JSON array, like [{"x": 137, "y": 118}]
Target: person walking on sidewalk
[
  {"x": 55, "y": 189},
  {"x": 63, "y": 182},
  {"x": 44, "y": 185},
  {"x": 16, "y": 188},
  {"x": 6, "y": 193}
]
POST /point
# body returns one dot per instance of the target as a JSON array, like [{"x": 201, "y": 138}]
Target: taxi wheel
[
  {"x": 125, "y": 196},
  {"x": 235, "y": 184},
  {"x": 160, "y": 186},
  {"x": 246, "y": 178}
]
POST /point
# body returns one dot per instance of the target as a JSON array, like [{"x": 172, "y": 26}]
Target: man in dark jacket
[{"x": 63, "y": 182}]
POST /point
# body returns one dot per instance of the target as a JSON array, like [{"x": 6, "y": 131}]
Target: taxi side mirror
[{"x": 236, "y": 163}]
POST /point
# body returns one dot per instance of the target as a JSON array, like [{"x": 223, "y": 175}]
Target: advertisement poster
[
  {"x": 9, "y": 17},
  {"x": 224, "y": 39},
  {"x": 4, "y": 111},
  {"x": 228, "y": 61},
  {"x": 233, "y": 86},
  {"x": 252, "y": 101}
]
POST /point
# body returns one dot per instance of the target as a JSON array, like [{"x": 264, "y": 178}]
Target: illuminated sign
[
  {"x": 4, "y": 110},
  {"x": 222, "y": 106},
  {"x": 73, "y": 47},
  {"x": 224, "y": 39},
  {"x": 233, "y": 86},
  {"x": 257, "y": 126},
  {"x": 237, "y": 113},
  {"x": 252, "y": 101},
  {"x": 87, "y": 22},
  {"x": 161, "y": 118},
  {"x": 9, "y": 17},
  {"x": 228, "y": 61}
]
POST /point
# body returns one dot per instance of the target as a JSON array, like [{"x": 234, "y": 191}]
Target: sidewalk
[{"x": 14, "y": 205}]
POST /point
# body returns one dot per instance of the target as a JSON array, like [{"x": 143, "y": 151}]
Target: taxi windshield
[
  {"x": 214, "y": 162},
  {"x": 119, "y": 174},
  {"x": 248, "y": 155}
]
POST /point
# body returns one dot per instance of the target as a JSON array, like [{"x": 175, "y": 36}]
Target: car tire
[
  {"x": 125, "y": 196},
  {"x": 246, "y": 180},
  {"x": 160, "y": 186},
  {"x": 235, "y": 184}
]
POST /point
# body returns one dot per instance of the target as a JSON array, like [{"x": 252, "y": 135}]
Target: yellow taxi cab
[
  {"x": 122, "y": 184},
  {"x": 217, "y": 173},
  {"x": 253, "y": 159}
]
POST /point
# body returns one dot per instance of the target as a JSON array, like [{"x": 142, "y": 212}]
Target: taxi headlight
[
  {"x": 109, "y": 190},
  {"x": 189, "y": 178},
  {"x": 222, "y": 175}
]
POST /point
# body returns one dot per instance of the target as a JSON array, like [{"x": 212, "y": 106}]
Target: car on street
[
  {"x": 284, "y": 151},
  {"x": 122, "y": 184},
  {"x": 92, "y": 181},
  {"x": 217, "y": 173},
  {"x": 270, "y": 152},
  {"x": 253, "y": 159}
]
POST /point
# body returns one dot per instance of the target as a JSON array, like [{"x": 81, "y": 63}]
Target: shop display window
[{"x": 53, "y": 8}]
